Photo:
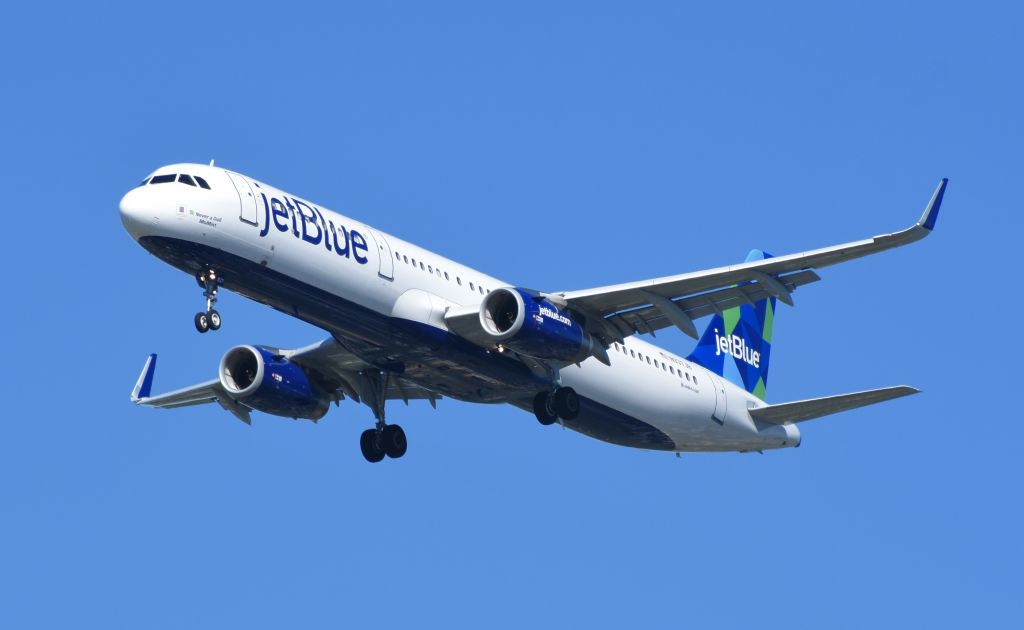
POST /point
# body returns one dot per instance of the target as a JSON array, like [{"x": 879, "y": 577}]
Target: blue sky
[{"x": 557, "y": 147}]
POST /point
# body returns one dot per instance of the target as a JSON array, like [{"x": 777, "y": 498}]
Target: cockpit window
[
  {"x": 162, "y": 179},
  {"x": 202, "y": 182},
  {"x": 186, "y": 179},
  {"x": 144, "y": 182}
]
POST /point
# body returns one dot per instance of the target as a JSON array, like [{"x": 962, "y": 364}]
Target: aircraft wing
[
  {"x": 338, "y": 367},
  {"x": 791, "y": 412},
  {"x": 328, "y": 363},
  {"x": 616, "y": 311}
]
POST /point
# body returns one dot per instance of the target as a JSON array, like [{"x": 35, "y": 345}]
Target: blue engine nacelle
[
  {"x": 270, "y": 383},
  {"x": 531, "y": 325}
]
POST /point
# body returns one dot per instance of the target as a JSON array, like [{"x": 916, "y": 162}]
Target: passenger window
[
  {"x": 458, "y": 280},
  {"x": 163, "y": 179},
  {"x": 471, "y": 287},
  {"x": 632, "y": 353},
  {"x": 648, "y": 360},
  {"x": 202, "y": 183},
  {"x": 671, "y": 370},
  {"x": 422, "y": 268},
  {"x": 430, "y": 269},
  {"x": 695, "y": 379},
  {"x": 655, "y": 363},
  {"x": 398, "y": 257},
  {"x": 185, "y": 179},
  {"x": 446, "y": 276},
  {"x": 481, "y": 290}
]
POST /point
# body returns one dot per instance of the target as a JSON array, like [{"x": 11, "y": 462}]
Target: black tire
[
  {"x": 369, "y": 444},
  {"x": 543, "y": 408},
  {"x": 567, "y": 403},
  {"x": 202, "y": 322},
  {"x": 213, "y": 317},
  {"x": 394, "y": 441}
]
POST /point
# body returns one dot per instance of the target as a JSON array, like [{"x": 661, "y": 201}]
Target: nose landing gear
[{"x": 210, "y": 320}]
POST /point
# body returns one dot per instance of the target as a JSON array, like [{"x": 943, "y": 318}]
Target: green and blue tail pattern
[{"x": 742, "y": 334}]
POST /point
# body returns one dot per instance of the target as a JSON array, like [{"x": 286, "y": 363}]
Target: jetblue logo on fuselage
[
  {"x": 736, "y": 347},
  {"x": 307, "y": 223}
]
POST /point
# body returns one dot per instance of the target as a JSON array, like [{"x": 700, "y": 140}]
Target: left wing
[
  {"x": 335, "y": 369},
  {"x": 616, "y": 311}
]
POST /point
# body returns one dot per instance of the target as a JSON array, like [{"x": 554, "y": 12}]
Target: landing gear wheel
[
  {"x": 567, "y": 403},
  {"x": 370, "y": 444},
  {"x": 202, "y": 322},
  {"x": 208, "y": 279},
  {"x": 544, "y": 409},
  {"x": 393, "y": 440}
]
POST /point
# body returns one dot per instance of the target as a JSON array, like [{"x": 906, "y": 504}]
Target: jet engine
[
  {"x": 530, "y": 324},
  {"x": 270, "y": 383}
]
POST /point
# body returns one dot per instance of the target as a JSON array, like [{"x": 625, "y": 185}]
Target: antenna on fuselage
[{"x": 211, "y": 162}]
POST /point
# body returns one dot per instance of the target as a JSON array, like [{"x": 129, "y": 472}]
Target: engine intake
[
  {"x": 531, "y": 325},
  {"x": 270, "y": 383}
]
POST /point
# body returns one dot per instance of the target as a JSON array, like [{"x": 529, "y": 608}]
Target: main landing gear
[
  {"x": 386, "y": 439},
  {"x": 210, "y": 320},
  {"x": 563, "y": 403}
]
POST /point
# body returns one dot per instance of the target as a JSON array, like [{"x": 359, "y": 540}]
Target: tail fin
[{"x": 744, "y": 333}]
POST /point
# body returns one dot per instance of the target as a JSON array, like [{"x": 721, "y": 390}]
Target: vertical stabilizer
[{"x": 737, "y": 344}]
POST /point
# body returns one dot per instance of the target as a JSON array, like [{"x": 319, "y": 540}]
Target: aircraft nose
[{"x": 134, "y": 211}]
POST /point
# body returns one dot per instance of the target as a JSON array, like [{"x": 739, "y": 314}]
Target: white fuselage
[{"x": 696, "y": 409}]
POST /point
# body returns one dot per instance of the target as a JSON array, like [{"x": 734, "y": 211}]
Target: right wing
[{"x": 613, "y": 312}]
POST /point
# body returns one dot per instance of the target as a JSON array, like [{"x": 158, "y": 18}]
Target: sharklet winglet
[{"x": 931, "y": 212}]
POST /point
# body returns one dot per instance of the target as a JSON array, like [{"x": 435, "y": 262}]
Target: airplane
[{"x": 405, "y": 323}]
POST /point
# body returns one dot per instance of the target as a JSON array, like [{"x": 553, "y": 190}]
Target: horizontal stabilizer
[{"x": 791, "y": 412}]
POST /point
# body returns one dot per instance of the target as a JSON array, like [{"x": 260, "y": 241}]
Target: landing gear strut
[
  {"x": 563, "y": 403},
  {"x": 210, "y": 320},
  {"x": 384, "y": 439}
]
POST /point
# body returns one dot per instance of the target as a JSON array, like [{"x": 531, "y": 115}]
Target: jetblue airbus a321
[{"x": 405, "y": 323}]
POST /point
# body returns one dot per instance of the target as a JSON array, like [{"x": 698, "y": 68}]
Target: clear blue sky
[{"x": 558, "y": 148}]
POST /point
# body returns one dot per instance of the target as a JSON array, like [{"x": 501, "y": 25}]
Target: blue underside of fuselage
[{"x": 428, "y": 356}]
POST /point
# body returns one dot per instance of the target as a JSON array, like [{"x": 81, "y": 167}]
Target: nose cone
[{"x": 134, "y": 213}]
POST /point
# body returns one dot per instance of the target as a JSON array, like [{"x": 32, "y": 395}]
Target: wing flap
[
  {"x": 801, "y": 410},
  {"x": 648, "y": 318}
]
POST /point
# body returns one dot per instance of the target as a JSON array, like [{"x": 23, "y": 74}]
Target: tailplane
[
  {"x": 791, "y": 412},
  {"x": 737, "y": 343}
]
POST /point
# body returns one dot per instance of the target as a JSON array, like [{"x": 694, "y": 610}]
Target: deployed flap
[
  {"x": 631, "y": 308},
  {"x": 791, "y": 412}
]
